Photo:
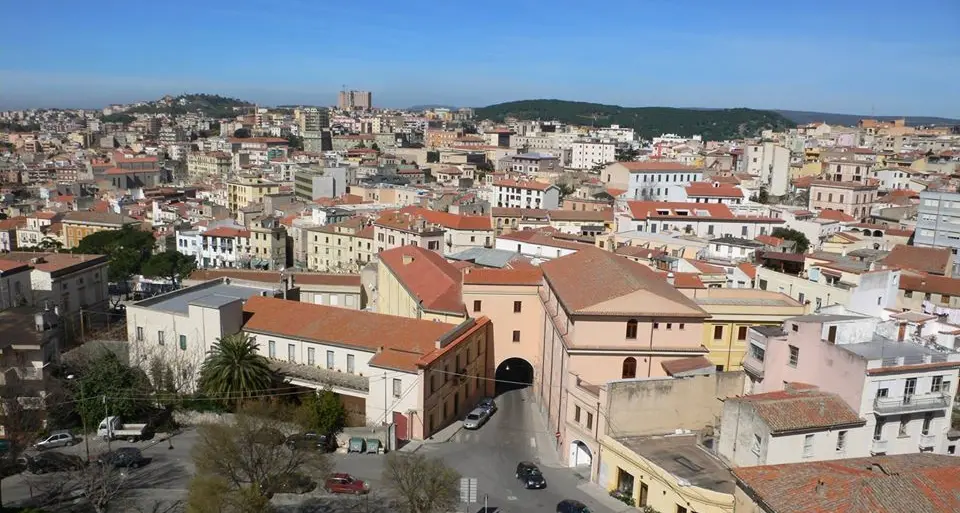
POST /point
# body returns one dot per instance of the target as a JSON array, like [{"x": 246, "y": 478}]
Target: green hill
[
  {"x": 712, "y": 124},
  {"x": 211, "y": 105}
]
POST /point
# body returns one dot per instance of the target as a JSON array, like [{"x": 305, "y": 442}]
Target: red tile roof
[
  {"x": 713, "y": 190},
  {"x": 526, "y": 184},
  {"x": 654, "y": 165},
  {"x": 801, "y": 408},
  {"x": 526, "y": 276},
  {"x": 905, "y": 483},
  {"x": 681, "y": 365},
  {"x": 451, "y": 221},
  {"x": 429, "y": 278},
  {"x": 928, "y": 283},
  {"x": 929, "y": 260},
  {"x": 835, "y": 215},
  {"x": 769, "y": 240},
  {"x": 706, "y": 268},
  {"x": 226, "y": 231},
  {"x": 342, "y": 280},
  {"x": 650, "y": 209},
  {"x": 748, "y": 269}
]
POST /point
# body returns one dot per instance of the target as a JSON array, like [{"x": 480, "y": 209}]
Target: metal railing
[
  {"x": 910, "y": 403},
  {"x": 752, "y": 366}
]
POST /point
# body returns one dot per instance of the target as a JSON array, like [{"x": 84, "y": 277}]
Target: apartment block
[
  {"x": 340, "y": 246},
  {"x": 852, "y": 198},
  {"x": 526, "y": 194}
]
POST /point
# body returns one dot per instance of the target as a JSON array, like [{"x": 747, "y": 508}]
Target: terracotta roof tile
[
  {"x": 929, "y": 260},
  {"x": 748, "y": 269},
  {"x": 706, "y": 268},
  {"x": 526, "y": 184},
  {"x": 226, "y": 231},
  {"x": 451, "y": 221},
  {"x": 654, "y": 165},
  {"x": 932, "y": 284},
  {"x": 598, "y": 281},
  {"x": 680, "y": 365},
  {"x": 346, "y": 280},
  {"x": 769, "y": 240},
  {"x": 835, "y": 215},
  {"x": 798, "y": 409},
  {"x": 713, "y": 190},
  {"x": 915, "y": 483},
  {"x": 429, "y": 278},
  {"x": 527, "y": 276}
]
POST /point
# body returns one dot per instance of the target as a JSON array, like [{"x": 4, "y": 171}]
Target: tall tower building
[{"x": 355, "y": 100}]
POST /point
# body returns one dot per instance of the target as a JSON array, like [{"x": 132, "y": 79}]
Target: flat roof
[
  {"x": 826, "y": 318},
  {"x": 745, "y": 301},
  {"x": 681, "y": 456},
  {"x": 212, "y": 294},
  {"x": 884, "y": 348},
  {"x": 489, "y": 257}
]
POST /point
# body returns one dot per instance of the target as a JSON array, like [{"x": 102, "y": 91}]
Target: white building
[
  {"x": 770, "y": 162},
  {"x": 891, "y": 179},
  {"x": 589, "y": 154},
  {"x": 526, "y": 194},
  {"x": 705, "y": 220},
  {"x": 68, "y": 282}
]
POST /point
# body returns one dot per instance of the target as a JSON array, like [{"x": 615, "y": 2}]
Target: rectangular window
[
  {"x": 272, "y": 349},
  {"x": 878, "y": 431},
  {"x": 589, "y": 420},
  {"x": 397, "y": 385},
  {"x": 183, "y": 342},
  {"x": 794, "y": 356},
  {"x": 160, "y": 335},
  {"x": 330, "y": 360},
  {"x": 139, "y": 333},
  {"x": 742, "y": 333},
  {"x": 841, "y": 441},
  {"x": 937, "y": 384},
  {"x": 904, "y": 423},
  {"x": 808, "y": 446},
  {"x": 476, "y": 305},
  {"x": 757, "y": 444},
  {"x": 350, "y": 363},
  {"x": 717, "y": 332},
  {"x": 681, "y": 509},
  {"x": 517, "y": 306},
  {"x": 516, "y": 335},
  {"x": 291, "y": 353},
  {"x": 576, "y": 414},
  {"x": 311, "y": 356},
  {"x": 927, "y": 420}
]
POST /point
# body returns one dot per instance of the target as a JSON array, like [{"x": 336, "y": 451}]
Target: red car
[{"x": 345, "y": 483}]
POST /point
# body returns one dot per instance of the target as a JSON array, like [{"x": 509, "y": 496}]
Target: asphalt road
[{"x": 491, "y": 453}]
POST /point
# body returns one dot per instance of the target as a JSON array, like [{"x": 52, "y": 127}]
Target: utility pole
[
  {"x": 106, "y": 410},
  {"x": 385, "y": 405}
]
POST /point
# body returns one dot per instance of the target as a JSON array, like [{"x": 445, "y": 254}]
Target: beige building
[
  {"x": 418, "y": 283},
  {"x": 341, "y": 290},
  {"x": 268, "y": 244},
  {"x": 851, "y": 198},
  {"x": 209, "y": 164},
  {"x": 461, "y": 232},
  {"x": 342, "y": 246},
  {"x": 245, "y": 190},
  {"x": 396, "y": 229},
  {"x": 77, "y": 225}
]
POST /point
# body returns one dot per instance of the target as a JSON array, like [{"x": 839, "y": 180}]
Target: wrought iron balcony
[{"x": 910, "y": 403}]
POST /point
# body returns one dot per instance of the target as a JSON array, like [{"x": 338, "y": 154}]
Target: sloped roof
[
  {"x": 429, "y": 278},
  {"x": 799, "y": 409},
  {"x": 929, "y": 260}
]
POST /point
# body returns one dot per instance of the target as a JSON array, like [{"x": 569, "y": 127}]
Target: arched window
[
  {"x": 632, "y": 328},
  {"x": 629, "y": 368}
]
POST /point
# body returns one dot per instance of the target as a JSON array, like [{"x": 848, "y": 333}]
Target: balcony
[
  {"x": 927, "y": 441},
  {"x": 910, "y": 403},
  {"x": 752, "y": 366},
  {"x": 878, "y": 447}
]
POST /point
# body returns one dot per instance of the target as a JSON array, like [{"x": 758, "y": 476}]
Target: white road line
[
  {"x": 533, "y": 442},
  {"x": 511, "y": 498}
]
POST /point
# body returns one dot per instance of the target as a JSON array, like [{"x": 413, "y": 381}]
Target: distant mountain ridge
[
  {"x": 712, "y": 124},
  {"x": 802, "y": 117}
]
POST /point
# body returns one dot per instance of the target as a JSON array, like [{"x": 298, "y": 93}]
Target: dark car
[
  {"x": 529, "y": 474},
  {"x": 572, "y": 506},
  {"x": 293, "y": 482},
  {"x": 345, "y": 483},
  {"x": 312, "y": 441},
  {"x": 124, "y": 457},
  {"x": 487, "y": 403},
  {"x": 52, "y": 461},
  {"x": 268, "y": 436}
]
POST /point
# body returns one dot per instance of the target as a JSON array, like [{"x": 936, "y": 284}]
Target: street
[{"x": 489, "y": 454}]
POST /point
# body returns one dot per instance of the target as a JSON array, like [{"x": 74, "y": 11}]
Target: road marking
[
  {"x": 533, "y": 442},
  {"x": 511, "y": 498}
]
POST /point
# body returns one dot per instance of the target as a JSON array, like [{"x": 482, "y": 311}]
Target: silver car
[
  {"x": 56, "y": 439},
  {"x": 476, "y": 418}
]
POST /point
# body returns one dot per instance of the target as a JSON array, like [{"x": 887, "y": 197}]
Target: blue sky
[{"x": 854, "y": 56}]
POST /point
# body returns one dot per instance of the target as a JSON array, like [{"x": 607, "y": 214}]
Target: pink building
[
  {"x": 606, "y": 318},
  {"x": 903, "y": 390}
]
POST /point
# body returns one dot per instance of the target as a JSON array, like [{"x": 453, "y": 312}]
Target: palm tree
[{"x": 234, "y": 369}]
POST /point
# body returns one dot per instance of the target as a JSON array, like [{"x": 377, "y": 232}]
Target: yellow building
[
  {"x": 670, "y": 474},
  {"x": 347, "y": 245},
  {"x": 418, "y": 283},
  {"x": 732, "y": 313},
  {"x": 245, "y": 190},
  {"x": 209, "y": 164},
  {"x": 77, "y": 225}
]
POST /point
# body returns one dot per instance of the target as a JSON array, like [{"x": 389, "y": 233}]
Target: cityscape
[{"x": 224, "y": 294}]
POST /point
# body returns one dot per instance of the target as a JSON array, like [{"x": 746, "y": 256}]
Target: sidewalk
[
  {"x": 600, "y": 495},
  {"x": 543, "y": 440},
  {"x": 440, "y": 437}
]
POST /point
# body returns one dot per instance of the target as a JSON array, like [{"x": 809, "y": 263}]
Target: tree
[
  {"x": 375, "y": 146},
  {"x": 242, "y": 133},
  {"x": 422, "y": 484},
  {"x": 213, "y": 494},
  {"x": 22, "y": 420},
  {"x": 295, "y": 142},
  {"x": 128, "y": 248},
  {"x": 170, "y": 265},
  {"x": 322, "y": 412},
  {"x": 234, "y": 370},
  {"x": 235, "y": 455},
  {"x": 106, "y": 385},
  {"x": 762, "y": 196},
  {"x": 803, "y": 244}
]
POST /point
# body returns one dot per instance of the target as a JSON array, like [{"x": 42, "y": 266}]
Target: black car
[
  {"x": 312, "y": 441},
  {"x": 293, "y": 482},
  {"x": 487, "y": 403},
  {"x": 529, "y": 474},
  {"x": 572, "y": 506},
  {"x": 124, "y": 457},
  {"x": 52, "y": 461}
]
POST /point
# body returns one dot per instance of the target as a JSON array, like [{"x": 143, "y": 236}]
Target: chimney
[
  {"x": 670, "y": 279},
  {"x": 822, "y": 407},
  {"x": 821, "y": 489},
  {"x": 407, "y": 259}
]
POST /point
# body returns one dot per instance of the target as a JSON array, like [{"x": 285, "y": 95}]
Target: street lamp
[{"x": 83, "y": 419}]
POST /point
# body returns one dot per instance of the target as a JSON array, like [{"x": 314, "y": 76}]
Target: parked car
[
  {"x": 572, "y": 506},
  {"x": 312, "y": 441},
  {"x": 52, "y": 461},
  {"x": 269, "y": 436},
  {"x": 125, "y": 457},
  {"x": 487, "y": 403},
  {"x": 113, "y": 428},
  {"x": 476, "y": 418},
  {"x": 529, "y": 474},
  {"x": 293, "y": 482},
  {"x": 345, "y": 483},
  {"x": 57, "y": 439}
]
